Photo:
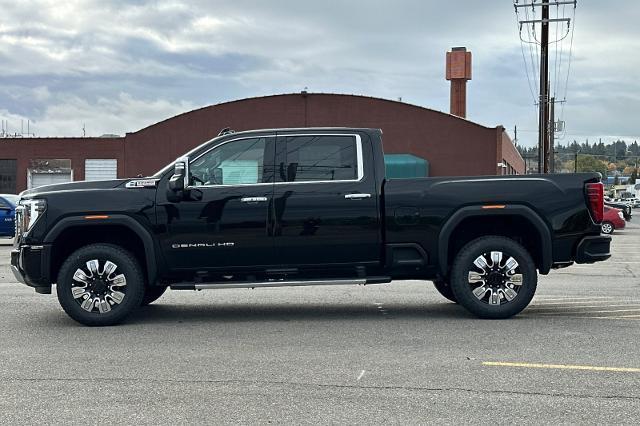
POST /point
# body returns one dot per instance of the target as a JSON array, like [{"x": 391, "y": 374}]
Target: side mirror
[{"x": 179, "y": 181}]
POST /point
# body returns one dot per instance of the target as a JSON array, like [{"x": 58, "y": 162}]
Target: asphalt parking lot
[{"x": 395, "y": 353}]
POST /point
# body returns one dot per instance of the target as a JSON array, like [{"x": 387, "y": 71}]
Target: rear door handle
[
  {"x": 253, "y": 199},
  {"x": 357, "y": 196}
]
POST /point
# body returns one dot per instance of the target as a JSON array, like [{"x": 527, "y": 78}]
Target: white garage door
[
  {"x": 100, "y": 169},
  {"x": 40, "y": 179}
]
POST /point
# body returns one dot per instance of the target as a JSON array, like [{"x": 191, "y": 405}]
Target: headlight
[
  {"x": 27, "y": 214},
  {"x": 621, "y": 215}
]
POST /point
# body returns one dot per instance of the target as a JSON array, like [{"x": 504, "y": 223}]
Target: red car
[{"x": 613, "y": 219}]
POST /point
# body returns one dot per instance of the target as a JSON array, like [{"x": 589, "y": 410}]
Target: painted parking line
[{"x": 561, "y": 366}]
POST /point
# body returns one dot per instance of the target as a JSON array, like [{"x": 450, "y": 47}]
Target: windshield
[
  {"x": 13, "y": 199},
  {"x": 169, "y": 166}
]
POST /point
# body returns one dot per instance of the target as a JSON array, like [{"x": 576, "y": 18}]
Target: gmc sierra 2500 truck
[{"x": 297, "y": 207}]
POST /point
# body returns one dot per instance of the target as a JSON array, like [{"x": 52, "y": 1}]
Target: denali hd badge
[
  {"x": 202, "y": 245},
  {"x": 142, "y": 183}
]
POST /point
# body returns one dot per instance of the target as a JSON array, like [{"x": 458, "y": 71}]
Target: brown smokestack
[{"x": 459, "y": 71}]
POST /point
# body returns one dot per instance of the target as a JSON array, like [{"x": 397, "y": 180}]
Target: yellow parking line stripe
[{"x": 561, "y": 366}]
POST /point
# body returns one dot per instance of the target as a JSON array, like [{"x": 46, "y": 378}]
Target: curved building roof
[{"x": 438, "y": 137}]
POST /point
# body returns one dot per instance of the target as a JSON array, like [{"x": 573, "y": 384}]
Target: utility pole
[
  {"x": 543, "y": 102},
  {"x": 552, "y": 134},
  {"x": 543, "y": 120}
]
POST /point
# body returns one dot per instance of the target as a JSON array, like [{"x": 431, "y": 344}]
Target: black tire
[
  {"x": 607, "y": 228},
  {"x": 499, "y": 281},
  {"x": 152, "y": 293},
  {"x": 444, "y": 289},
  {"x": 101, "y": 287}
]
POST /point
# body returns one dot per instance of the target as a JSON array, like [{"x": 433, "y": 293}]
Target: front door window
[{"x": 239, "y": 162}]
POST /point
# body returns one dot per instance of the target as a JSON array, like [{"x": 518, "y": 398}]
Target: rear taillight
[{"x": 595, "y": 195}]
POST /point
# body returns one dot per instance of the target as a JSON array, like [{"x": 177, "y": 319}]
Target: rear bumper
[
  {"x": 593, "y": 249},
  {"x": 30, "y": 266}
]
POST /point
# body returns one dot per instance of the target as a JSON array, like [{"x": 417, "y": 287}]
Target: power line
[
  {"x": 566, "y": 85},
  {"x": 526, "y": 68},
  {"x": 545, "y": 144}
]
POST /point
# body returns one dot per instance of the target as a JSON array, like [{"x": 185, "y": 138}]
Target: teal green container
[{"x": 405, "y": 166}]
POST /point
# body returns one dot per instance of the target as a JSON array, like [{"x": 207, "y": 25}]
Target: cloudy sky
[{"x": 118, "y": 66}]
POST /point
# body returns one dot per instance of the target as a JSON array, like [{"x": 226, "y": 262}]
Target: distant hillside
[{"x": 612, "y": 159}]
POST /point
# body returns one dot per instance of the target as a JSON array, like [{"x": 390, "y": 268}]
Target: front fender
[{"x": 112, "y": 219}]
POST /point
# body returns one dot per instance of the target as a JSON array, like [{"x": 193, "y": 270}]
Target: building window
[
  {"x": 100, "y": 169},
  {"x": 48, "y": 172},
  {"x": 8, "y": 176}
]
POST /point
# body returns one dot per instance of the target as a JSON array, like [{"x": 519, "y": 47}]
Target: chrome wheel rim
[
  {"x": 607, "y": 228},
  {"x": 495, "y": 278},
  {"x": 98, "y": 289}
]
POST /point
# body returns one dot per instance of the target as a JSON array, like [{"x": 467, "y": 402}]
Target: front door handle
[
  {"x": 253, "y": 199},
  {"x": 357, "y": 196}
]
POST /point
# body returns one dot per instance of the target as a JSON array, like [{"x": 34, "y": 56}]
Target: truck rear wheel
[
  {"x": 100, "y": 284},
  {"x": 494, "y": 277},
  {"x": 444, "y": 289}
]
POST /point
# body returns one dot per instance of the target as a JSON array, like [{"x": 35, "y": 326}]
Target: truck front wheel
[
  {"x": 100, "y": 284},
  {"x": 494, "y": 277}
]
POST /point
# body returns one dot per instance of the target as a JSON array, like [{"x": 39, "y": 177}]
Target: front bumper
[
  {"x": 593, "y": 249},
  {"x": 30, "y": 266}
]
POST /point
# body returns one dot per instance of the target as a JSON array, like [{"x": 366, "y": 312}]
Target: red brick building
[{"x": 452, "y": 145}]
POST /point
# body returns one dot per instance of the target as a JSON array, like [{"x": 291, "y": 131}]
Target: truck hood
[{"x": 95, "y": 184}]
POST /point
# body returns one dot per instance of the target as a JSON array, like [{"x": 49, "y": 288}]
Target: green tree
[{"x": 589, "y": 163}]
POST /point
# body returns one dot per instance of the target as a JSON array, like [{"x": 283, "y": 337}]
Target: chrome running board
[{"x": 278, "y": 283}]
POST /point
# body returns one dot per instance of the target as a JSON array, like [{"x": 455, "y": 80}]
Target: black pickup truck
[{"x": 297, "y": 207}]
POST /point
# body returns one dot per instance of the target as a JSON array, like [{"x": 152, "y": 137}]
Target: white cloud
[
  {"x": 67, "y": 115},
  {"x": 64, "y": 63}
]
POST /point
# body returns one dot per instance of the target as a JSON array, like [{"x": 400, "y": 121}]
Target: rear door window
[{"x": 313, "y": 158}]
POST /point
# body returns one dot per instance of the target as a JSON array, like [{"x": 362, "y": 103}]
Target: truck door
[
  {"x": 325, "y": 202},
  {"x": 229, "y": 226}
]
